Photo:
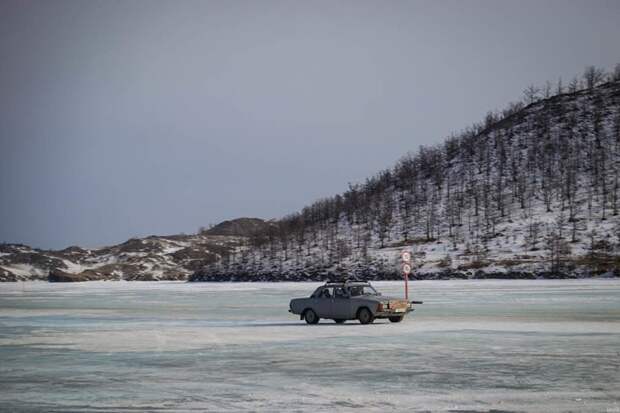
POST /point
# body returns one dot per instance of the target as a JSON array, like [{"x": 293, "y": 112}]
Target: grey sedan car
[{"x": 341, "y": 301}]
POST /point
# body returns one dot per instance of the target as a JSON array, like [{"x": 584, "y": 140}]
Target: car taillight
[{"x": 380, "y": 307}]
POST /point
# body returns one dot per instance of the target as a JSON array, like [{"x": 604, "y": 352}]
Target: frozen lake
[{"x": 474, "y": 345}]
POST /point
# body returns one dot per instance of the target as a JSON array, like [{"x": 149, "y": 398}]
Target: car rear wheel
[
  {"x": 396, "y": 319},
  {"x": 311, "y": 317},
  {"x": 339, "y": 320},
  {"x": 365, "y": 316}
]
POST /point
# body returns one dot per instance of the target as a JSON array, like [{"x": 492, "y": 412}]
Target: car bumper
[{"x": 395, "y": 313}]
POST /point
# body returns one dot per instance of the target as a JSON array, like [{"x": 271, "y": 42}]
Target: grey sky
[{"x": 122, "y": 119}]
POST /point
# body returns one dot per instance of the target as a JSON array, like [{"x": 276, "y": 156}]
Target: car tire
[
  {"x": 396, "y": 319},
  {"x": 365, "y": 316},
  {"x": 339, "y": 320},
  {"x": 311, "y": 317}
]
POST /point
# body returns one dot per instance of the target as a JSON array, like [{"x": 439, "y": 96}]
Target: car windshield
[{"x": 362, "y": 290}]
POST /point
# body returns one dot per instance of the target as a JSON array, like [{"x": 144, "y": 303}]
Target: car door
[
  {"x": 341, "y": 304},
  {"x": 322, "y": 304}
]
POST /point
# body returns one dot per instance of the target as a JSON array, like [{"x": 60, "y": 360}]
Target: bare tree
[
  {"x": 593, "y": 76},
  {"x": 532, "y": 237},
  {"x": 531, "y": 94},
  {"x": 384, "y": 222},
  {"x": 559, "y": 88},
  {"x": 615, "y": 75},
  {"x": 547, "y": 90},
  {"x": 573, "y": 86},
  {"x": 559, "y": 249}
]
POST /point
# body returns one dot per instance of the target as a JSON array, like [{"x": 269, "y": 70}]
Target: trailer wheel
[{"x": 396, "y": 319}]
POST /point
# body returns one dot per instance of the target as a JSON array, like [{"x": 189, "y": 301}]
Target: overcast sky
[{"x": 121, "y": 119}]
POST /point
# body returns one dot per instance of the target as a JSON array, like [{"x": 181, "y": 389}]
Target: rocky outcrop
[
  {"x": 241, "y": 227},
  {"x": 62, "y": 276},
  {"x": 7, "y": 276}
]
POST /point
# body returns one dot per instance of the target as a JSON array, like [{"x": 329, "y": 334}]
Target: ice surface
[{"x": 527, "y": 345}]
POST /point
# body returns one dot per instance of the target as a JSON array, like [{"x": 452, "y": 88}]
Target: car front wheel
[
  {"x": 365, "y": 316},
  {"x": 311, "y": 317}
]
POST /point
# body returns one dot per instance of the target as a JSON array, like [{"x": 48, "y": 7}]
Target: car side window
[
  {"x": 339, "y": 292},
  {"x": 325, "y": 293},
  {"x": 355, "y": 291}
]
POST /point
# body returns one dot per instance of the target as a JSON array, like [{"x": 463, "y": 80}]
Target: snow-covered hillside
[
  {"x": 153, "y": 258},
  {"x": 530, "y": 192}
]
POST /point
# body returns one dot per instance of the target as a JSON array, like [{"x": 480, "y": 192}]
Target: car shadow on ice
[{"x": 302, "y": 324}]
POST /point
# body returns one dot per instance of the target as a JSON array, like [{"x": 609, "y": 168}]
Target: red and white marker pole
[{"x": 406, "y": 258}]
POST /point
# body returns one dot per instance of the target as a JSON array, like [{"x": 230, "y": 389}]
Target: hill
[
  {"x": 172, "y": 257},
  {"x": 243, "y": 227},
  {"x": 529, "y": 192}
]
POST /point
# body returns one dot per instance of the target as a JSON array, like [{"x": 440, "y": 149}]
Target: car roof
[{"x": 347, "y": 283}]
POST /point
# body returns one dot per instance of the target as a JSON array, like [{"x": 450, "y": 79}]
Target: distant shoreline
[{"x": 419, "y": 277}]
